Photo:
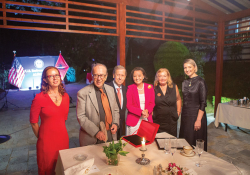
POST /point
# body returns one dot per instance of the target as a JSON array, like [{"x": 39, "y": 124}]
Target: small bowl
[{"x": 187, "y": 149}]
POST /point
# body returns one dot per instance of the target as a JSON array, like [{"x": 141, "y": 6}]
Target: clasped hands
[
  {"x": 145, "y": 113},
  {"x": 101, "y": 136}
]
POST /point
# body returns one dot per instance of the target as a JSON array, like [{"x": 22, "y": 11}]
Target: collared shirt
[
  {"x": 101, "y": 111},
  {"x": 116, "y": 86}
]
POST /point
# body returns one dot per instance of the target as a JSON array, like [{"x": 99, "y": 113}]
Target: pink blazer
[{"x": 133, "y": 103}]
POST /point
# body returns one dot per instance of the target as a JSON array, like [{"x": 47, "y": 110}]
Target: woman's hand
[
  {"x": 35, "y": 128},
  {"x": 197, "y": 125},
  {"x": 145, "y": 113}
]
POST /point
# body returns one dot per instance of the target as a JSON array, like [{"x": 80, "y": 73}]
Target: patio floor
[{"x": 18, "y": 155}]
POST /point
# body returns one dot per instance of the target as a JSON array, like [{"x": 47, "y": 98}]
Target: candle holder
[{"x": 143, "y": 160}]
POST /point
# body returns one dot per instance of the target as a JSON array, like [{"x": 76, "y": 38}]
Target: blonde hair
[
  {"x": 192, "y": 62},
  {"x": 169, "y": 81}
]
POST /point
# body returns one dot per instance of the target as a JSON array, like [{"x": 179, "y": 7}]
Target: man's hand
[
  {"x": 100, "y": 135},
  {"x": 113, "y": 128}
]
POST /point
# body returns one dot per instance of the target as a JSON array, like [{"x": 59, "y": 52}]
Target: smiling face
[
  {"x": 138, "y": 77},
  {"x": 53, "y": 78},
  {"x": 163, "y": 78},
  {"x": 189, "y": 70},
  {"x": 119, "y": 76},
  {"x": 99, "y": 76}
]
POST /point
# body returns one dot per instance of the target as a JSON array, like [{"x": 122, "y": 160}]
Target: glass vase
[{"x": 113, "y": 160}]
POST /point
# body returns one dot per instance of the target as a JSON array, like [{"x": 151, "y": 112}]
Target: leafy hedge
[
  {"x": 235, "y": 82},
  {"x": 171, "y": 56}
]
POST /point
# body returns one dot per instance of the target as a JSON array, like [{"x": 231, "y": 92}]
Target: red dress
[{"x": 53, "y": 135}]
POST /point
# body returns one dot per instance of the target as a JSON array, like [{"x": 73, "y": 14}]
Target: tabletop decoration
[
  {"x": 172, "y": 169},
  {"x": 113, "y": 150},
  {"x": 143, "y": 160}
]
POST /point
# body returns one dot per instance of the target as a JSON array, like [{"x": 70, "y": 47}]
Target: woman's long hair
[
  {"x": 45, "y": 86},
  {"x": 169, "y": 82}
]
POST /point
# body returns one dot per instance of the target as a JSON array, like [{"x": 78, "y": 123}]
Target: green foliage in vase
[
  {"x": 171, "y": 55},
  {"x": 113, "y": 150}
]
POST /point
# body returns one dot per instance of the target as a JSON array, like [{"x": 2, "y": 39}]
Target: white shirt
[
  {"x": 116, "y": 86},
  {"x": 142, "y": 101}
]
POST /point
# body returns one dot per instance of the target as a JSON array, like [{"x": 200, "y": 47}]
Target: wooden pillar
[
  {"x": 4, "y": 13},
  {"x": 67, "y": 14},
  {"x": 219, "y": 64},
  {"x": 121, "y": 31}
]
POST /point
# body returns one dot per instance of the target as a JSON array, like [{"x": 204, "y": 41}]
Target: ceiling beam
[
  {"x": 208, "y": 7},
  {"x": 237, "y": 15},
  {"x": 170, "y": 9},
  {"x": 165, "y": 8}
]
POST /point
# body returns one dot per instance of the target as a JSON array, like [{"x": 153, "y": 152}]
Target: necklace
[
  {"x": 56, "y": 98},
  {"x": 190, "y": 83},
  {"x": 141, "y": 88}
]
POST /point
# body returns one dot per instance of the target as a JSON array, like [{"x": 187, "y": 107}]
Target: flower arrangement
[
  {"x": 173, "y": 169},
  {"x": 113, "y": 150}
]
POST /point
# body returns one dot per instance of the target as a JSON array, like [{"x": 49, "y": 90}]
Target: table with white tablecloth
[
  {"x": 127, "y": 165},
  {"x": 233, "y": 115}
]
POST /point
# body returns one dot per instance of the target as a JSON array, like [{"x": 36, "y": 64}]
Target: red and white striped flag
[{"x": 16, "y": 73}]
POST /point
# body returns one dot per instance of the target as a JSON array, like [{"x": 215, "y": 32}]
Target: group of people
[{"x": 109, "y": 111}]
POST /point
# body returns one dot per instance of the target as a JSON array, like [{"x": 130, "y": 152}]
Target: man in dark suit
[{"x": 119, "y": 75}]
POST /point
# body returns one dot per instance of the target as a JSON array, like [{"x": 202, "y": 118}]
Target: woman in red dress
[{"x": 52, "y": 105}]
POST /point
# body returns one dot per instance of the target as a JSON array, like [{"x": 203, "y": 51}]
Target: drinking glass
[
  {"x": 167, "y": 144},
  {"x": 199, "y": 150},
  {"x": 173, "y": 147}
]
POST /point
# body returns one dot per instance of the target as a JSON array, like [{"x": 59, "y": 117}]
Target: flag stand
[{"x": 5, "y": 105}]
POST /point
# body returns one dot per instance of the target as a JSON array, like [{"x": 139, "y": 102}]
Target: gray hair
[
  {"x": 192, "y": 62},
  {"x": 98, "y": 64},
  {"x": 119, "y": 67}
]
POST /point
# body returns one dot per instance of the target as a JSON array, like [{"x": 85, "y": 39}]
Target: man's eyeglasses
[
  {"x": 96, "y": 76},
  {"x": 53, "y": 76}
]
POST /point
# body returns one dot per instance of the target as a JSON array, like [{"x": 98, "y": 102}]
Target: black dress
[
  {"x": 165, "y": 110},
  {"x": 194, "y": 99}
]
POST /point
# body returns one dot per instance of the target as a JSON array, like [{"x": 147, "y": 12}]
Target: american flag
[{"x": 16, "y": 73}]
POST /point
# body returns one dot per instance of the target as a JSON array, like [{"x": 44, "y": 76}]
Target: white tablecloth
[
  {"x": 232, "y": 115},
  {"x": 128, "y": 166}
]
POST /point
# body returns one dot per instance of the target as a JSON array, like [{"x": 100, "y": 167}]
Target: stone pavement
[{"x": 18, "y": 155}]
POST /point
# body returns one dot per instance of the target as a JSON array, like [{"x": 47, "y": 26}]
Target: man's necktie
[
  {"x": 119, "y": 96},
  {"x": 106, "y": 107}
]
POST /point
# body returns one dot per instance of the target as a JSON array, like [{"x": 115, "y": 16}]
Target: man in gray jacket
[{"x": 95, "y": 103}]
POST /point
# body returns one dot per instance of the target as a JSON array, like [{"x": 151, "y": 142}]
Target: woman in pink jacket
[{"x": 140, "y": 100}]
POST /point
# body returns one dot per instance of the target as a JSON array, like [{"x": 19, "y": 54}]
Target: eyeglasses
[
  {"x": 53, "y": 76},
  {"x": 96, "y": 76}
]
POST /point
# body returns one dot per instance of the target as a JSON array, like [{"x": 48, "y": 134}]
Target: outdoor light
[
  {"x": 29, "y": 88},
  {"x": 37, "y": 87}
]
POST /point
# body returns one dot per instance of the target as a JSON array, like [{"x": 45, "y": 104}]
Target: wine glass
[
  {"x": 199, "y": 150},
  {"x": 167, "y": 144},
  {"x": 173, "y": 147}
]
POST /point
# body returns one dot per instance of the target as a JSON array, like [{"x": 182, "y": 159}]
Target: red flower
[{"x": 179, "y": 173}]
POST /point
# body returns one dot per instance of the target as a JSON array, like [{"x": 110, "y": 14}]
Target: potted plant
[{"x": 113, "y": 150}]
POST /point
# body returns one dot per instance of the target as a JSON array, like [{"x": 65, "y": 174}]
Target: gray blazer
[{"x": 87, "y": 112}]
